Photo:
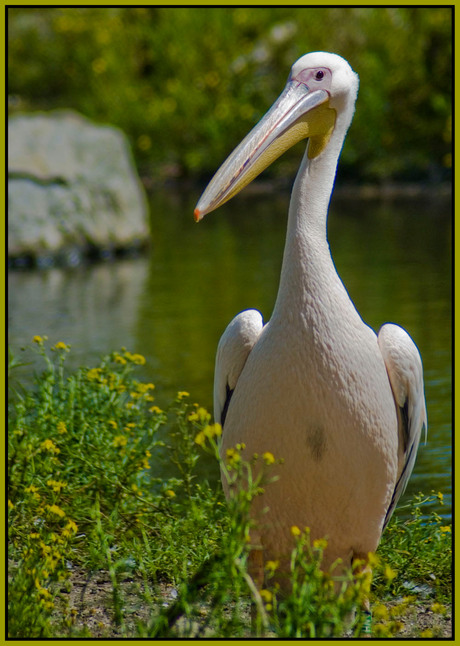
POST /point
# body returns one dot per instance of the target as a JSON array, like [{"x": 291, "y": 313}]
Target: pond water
[{"x": 173, "y": 303}]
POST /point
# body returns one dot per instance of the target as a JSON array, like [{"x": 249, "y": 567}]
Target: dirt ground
[{"x": 90, "y": 603}]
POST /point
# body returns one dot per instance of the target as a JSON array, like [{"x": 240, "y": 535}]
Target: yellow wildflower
[
  {"x": 182, "y": 393},
  {"x": 144, "y": 388},
  {"x": 271, "y": 566},
  {"x": 446, "y": 529},
  {"x": 120, "y": 440},
  {"x": 54, "y": 509},
  {"x": 212, "y": 430},
  {"x": 373, "y": 559},
  {"x": 119, "y": 359},
  {"x": 389, "y": 573},
  {"x": 155, "y": 409},
  {"x": 200, "y": 439},
  {"x": 138, "y": 359},
  {"x": 39, "y": 339},
  {"x": 10, "y": 504},
  {"x": 46, "y": 549},
  {"x": 320, "y": 544},
  {"x": 70, "y": 528},
  {"x": 295, "y": 531},
  {"x": 233, "y": 457},
  {"x": 144, "y": 464},
  {"x": 61, "y": 428},
  {"x": 440, "y": 497},
  {"x": 42, "y": 591},
  {"x": 93, "y": 374},
  {"x": 266, "y": 595},
  {"x": 112, "y": 423},
  {"x": 60, "y": 345},
  {"x": 170, "y": 493},
  {"x": 268, "y": 457},
  {"x": 427, "y": 634},
  {"x": 48, "y": 445},
  {"x": 199, "y": 415},
  {"x": 56, "y": 485}
]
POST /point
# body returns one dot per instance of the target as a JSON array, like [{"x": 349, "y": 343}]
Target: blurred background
[{"x": 186, "y": 85}]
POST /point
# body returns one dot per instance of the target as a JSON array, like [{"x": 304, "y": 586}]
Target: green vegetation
[
  {"x": 87, "y": 499},
  {"x": 186, "y": 84}
]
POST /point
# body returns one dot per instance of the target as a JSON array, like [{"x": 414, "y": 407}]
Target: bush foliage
[
  {"x": 101, "y": 480},
  {"x": 186, "y": 84}
]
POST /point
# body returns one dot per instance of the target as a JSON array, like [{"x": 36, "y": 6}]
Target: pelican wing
[
  {"x": 234, "y": 347},
  {"x": 405, "y": 371}
]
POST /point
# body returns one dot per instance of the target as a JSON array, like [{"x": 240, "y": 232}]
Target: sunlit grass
[{"x": 86, "y": 454}]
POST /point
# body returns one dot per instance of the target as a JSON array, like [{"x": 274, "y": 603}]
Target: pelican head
[{"x": 320, "y": 90}]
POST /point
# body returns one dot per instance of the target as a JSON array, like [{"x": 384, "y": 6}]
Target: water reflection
[{"x": 173, "y": 304}]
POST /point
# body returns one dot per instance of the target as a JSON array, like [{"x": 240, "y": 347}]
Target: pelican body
[{"x": 316, "y": 386}]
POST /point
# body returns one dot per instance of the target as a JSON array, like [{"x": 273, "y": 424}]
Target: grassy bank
[{"x": 101, "y": 544}]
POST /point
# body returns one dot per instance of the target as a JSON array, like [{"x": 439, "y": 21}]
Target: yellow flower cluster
[
  {"x": 56, "y": 485},
  {"x": 271, "y": 566},
  {"x": 61, "y": 428},
  {"x": 268, "y": 458},
  {"x": 120, "y": 440},
  {"x": 142, "y": 390},
  {"x": 295, "y": 531},
  {"x": 57, "y": 511},
  {"x": 267, "y": 596},
  {"x": 137, "y": 359},
  {"x": 144, "y": 463},
  {"x": 208, "y": 433},
  {"x": 155, "y": 409},
  {"x": 389, "y": 573},
  {"x": 94, "y": 374},
  {"x": 319, "y": 544},
  {"x": 233, "y": 457},
  {"x": 199, "y": 415},
  {"x": 39, "y": 340},
  {"x": 49, "y": 445},
  {"x": 60, "y": 345}
]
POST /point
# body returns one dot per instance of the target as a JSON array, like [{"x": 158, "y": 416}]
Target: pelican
[{"x": 343, "y": 406}]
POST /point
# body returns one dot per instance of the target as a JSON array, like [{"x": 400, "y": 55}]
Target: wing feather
[
  {"x": 405, "y": 371},
  {"x": 234, "y": 347}
]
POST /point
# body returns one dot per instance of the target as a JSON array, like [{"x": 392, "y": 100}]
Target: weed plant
[{"x": 85, "y": 495}]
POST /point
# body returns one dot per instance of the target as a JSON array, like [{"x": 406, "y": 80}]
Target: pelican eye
[{"x": 319, "y": 75}]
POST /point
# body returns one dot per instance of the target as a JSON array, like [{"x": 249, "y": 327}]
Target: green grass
[{"x": 86, "y": 494}]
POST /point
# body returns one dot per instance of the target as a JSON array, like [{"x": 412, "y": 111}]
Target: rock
[{"x": 72, "y": 187}]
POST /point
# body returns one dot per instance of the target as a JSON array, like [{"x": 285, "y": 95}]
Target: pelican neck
[{"x": 308, "y": 268}]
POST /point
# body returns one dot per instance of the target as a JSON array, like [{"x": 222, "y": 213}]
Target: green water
[{"x": 173, "y": 303}]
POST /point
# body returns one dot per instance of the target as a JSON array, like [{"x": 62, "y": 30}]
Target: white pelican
[{"x": 343, "y": 406}]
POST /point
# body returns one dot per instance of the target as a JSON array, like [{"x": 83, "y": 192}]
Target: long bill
[{"x": 298, "y": 113}]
